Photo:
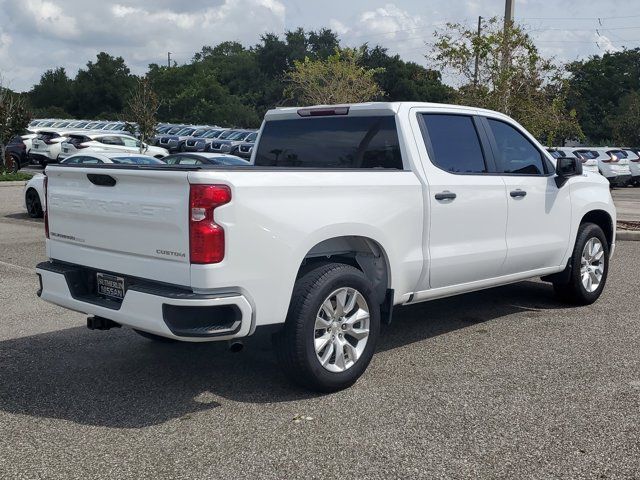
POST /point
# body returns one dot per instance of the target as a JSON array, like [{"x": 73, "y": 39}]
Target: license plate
[{"x": 110, "y": 286}]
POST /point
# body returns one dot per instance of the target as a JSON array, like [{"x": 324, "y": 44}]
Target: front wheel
[
  {"x": 331, "y": 329},
  {"x": 33, "y": 204},
  {"x": 590, "y": 267}
]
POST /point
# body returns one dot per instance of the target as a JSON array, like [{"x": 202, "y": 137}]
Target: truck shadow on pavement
[{"x": 117, "y": 379}]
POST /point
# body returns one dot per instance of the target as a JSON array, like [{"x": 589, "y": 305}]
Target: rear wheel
[
  {"x": 155, "y": 338},
  {"x": 590, "y": 267},
  {"x": 331, "y": 329},
  {"x": 32, "y": 202},
  {"x": 15, "y": 164}
]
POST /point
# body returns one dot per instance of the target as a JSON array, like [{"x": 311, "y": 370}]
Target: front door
[{"x": 539, "y": 212}]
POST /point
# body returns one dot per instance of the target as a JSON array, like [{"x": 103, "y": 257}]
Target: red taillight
[
  {"x": 46, "y": 208},
  {"x": 206, "y": 238}
]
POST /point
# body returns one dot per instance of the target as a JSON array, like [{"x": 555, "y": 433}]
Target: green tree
[
  {"x": 143, "y": 106},
  {"x": 528, "y": 87},
  {"x": 596, "y": 87},
  {"x": 338, "y": 79},
  {"x": 405, "y": 81},
  {"x": 52, "y": 92},
  {"x": 14, "y": 118},
  {"x": 102, "y": 88},
  {"x": 625, "y": 122}
]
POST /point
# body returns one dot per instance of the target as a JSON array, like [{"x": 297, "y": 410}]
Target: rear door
[
  {"x": 136, "y": 225},
  {"x": 539, "y": 212},
  {"x": 467, "y": 207}
]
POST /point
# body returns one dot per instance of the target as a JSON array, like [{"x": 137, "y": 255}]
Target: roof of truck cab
[{"x": 382, "y": 108}]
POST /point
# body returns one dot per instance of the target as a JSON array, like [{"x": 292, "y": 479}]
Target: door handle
[
  {"x": 446, "y": 195},
  {"x": 518, "y": 193}
]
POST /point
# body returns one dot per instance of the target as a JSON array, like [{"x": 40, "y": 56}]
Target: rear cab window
[
  {"x": 332, "y": 142},
  {"x": 453, "y": 143}
]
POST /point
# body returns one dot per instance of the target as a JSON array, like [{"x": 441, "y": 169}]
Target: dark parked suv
[{"x": 16, "y": 151}]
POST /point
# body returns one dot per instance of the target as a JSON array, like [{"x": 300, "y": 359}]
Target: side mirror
[{"x": 567, "y": 167}]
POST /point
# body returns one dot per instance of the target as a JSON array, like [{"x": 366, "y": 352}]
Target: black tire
[
  {"x": 15, "y": 164},
  {"x": 155, "y": 338},
  {"x": 574, "y": 291},
  {"x": 32, "y": 202},
  {"x": 294, "y": 344}
]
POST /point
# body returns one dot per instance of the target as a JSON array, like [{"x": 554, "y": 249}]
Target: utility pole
[
  {"x": 169, "y": 59},
  {"x": 475, "y": 70},
  {"x": 508, "y": 23}
]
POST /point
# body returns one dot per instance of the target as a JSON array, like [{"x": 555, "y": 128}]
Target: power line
[{"x": 579, "y": 18}]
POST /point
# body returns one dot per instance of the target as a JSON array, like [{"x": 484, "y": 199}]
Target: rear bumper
[
  {"x": 164, "y": 310},
  {"x": 41, "y": 157},
  {"x": 620, "y": 179}
]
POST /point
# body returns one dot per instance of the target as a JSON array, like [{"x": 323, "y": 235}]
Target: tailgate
[{"x": 128, "y": 221}]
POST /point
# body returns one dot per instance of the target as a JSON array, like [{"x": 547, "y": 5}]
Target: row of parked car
[
  {"x": 190, "y": 138},
  {"x": 50, "y": 141},
  {"x": 621, "y": 166}
]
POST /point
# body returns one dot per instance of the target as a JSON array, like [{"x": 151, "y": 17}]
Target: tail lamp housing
[{"x": 206, "y": 237}]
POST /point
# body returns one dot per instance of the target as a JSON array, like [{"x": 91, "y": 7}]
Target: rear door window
[
  {"x": 331, "y": 142},
  {"x": 515, "y": 153},
  {"x": 453, "y": 143}
]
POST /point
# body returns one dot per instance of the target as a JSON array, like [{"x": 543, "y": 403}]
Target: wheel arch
[
  {"x": 603, "y": 220},
  {"x": 360, "y": 251}
]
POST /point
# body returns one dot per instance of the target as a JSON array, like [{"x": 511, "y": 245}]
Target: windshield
[
  {"x": 231, "y": 161},
  {"x": 588, "y": 154},
  {"x": 174, "y": 130},
  {"x": 212, "y": 134},
  {"x": 617, "y": 153},
  {"x": 237, "y": 136},
  {"x": 199, "y": 132},
  {"x": 186, "y": 131},
  {"x": 252, "y": 137},
  {"x": 226, "y": 134},
  {"x": 136, "y": 160}
]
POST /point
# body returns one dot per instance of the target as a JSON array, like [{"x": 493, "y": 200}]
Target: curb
[
  {"x": 628, "y": 235},
  {"x": 13, "y": 183}
]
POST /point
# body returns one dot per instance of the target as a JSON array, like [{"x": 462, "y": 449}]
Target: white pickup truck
[{"x": 345, "y": 212}]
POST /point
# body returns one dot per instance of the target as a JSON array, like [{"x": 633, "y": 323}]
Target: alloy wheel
[
  {"x": 592, "y": 264},
  {"x": 341, "y": 329}
]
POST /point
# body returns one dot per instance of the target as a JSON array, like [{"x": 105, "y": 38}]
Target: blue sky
[{"x": 39, "y": 34}]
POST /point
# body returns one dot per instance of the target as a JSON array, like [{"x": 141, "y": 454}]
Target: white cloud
[
  {"x": 605, "y": 43},
  {"x": 338, "y": 27},
  {"x": 49, "y": 17}
]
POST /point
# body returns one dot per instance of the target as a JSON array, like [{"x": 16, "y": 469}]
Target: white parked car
[
  {"x": 34, "y": 195},
  {"x": 634, "y": 165},
  {"x": 613, "y": 165},
  {"x": 346, "y": 211},
  {"x": 46, "y": 146},
  {"x": 111, "y": 141},
  {"x": 588, "y": 157}
]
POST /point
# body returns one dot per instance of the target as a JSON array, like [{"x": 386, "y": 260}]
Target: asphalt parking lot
[{"x": 505, "y": 383}]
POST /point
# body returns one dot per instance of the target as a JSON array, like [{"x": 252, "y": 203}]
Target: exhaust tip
[{"x": 236, "y": 346}]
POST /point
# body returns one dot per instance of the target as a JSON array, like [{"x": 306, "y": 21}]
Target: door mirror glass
[{"x": 567, "y": 167}]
